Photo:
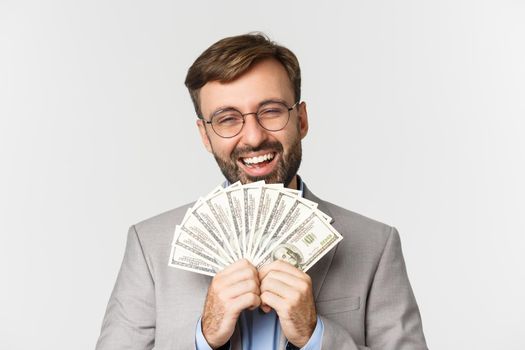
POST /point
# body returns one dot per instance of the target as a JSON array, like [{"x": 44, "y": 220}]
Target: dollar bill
[
  {"x": 185, "y": 260},
  {"x": 187, "y": 255},
  {"x": 267, "y": 200},
  {"x": 282, "y": 206},
  {"x": 258, "y": 221},
  {"x": 221, "y": 206},
  {"x": 235, "y": 203},
  {"x": 199, "y": 243},
  {"x": 305, "y": 245},
  {"x": 295, "y": 215},
  {"x": 200, "y": 223},
  {"x": 251, "y": 195}
]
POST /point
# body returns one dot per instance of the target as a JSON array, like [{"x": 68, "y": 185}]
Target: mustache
[{"x": 264, "y": 146}]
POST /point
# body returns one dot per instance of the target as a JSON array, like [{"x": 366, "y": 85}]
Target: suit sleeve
[
  {"x": 337, "y": 337},
  {"x": 393, "y": 321},
  {"x": 129, "y": 322}
]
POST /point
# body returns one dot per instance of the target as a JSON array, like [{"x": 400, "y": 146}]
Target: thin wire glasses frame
[{"x": 229, "y": 117}]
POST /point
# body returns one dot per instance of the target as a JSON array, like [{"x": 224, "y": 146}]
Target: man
[{"x": 246, "y": 92}]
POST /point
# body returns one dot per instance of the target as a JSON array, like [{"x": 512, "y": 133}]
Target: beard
[{"x": 284, "y": 171}]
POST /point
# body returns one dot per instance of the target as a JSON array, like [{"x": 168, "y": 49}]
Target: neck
[{"x": 293, "y": 183}]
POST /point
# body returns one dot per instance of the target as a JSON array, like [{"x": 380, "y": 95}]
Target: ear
[
  {"x": 204, "y": 135},
  {"x": 302, "y": 115}
]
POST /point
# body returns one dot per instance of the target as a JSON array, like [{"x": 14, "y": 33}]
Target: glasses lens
[
  {"x": 227, "y": 123},
  {"x": 273, "y": 116}
]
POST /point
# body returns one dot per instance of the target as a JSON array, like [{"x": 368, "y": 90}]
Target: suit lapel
[{"x": 320, "y": 269}]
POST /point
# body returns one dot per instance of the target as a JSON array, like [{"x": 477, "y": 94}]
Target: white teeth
[{"x": 255, "y": 160}]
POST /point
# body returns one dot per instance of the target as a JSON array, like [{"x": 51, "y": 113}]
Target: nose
[{"x": 253, "y": 134}]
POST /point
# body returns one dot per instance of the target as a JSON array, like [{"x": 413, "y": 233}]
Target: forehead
[{"x": 265, "y": 80}]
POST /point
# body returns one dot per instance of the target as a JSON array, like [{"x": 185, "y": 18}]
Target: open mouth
[
  {"x": 259, "y": 160},
  {"x": 261, "y": 165}
]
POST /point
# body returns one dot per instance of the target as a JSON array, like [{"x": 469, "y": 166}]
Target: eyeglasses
[{"x": 271, "y": 116}]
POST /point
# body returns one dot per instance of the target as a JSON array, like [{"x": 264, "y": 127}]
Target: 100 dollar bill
[{"x": 305, "y": 245}]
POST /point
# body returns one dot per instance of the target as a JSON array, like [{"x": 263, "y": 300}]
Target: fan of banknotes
[{"x": 257, "y": 221}]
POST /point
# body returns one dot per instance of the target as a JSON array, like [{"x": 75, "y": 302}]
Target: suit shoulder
[
  {"x": 359, "y": 225},
  {"x": 364, "y": 239},
  {"x": 161, "y": 227}
]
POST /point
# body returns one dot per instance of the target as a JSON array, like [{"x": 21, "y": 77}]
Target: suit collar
[
  {"x": 322, "y": 205},
  {"x": 319, "y": 271}
]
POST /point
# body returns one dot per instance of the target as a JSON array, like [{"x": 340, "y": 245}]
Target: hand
[
  {"x": 288, "y": 291},
  {"x": 232, "y": 290}
]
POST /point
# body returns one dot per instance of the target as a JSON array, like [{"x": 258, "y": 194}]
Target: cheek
[
  {"x": 222, "y": 147},
  {"x": 289, "y": 139}
]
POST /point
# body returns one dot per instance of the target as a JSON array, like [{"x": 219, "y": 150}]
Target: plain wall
[{"x": 416, "y": 113}]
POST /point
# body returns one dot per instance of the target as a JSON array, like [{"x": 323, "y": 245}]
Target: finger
[
  {"x": 242, "y": 287},
  {"x": 243, "y": 274},
  {"x": 280, "y": 266},
  {"x": 232, "y": 277},
  {"x": 302, "y": 285},
  {"x": 265, "y": 308},
  {"x": 246, "y": 301},
  {"x": 279, "y": 288},
  {"x": 236, "y": 266},
  {"x": 285, "y": 277},
  {"x": 274, "y": 301}
]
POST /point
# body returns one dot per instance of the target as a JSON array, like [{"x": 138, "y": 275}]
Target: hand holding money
[
  {"x": 232, "y": 290},
  {"x": 288, "y": 291},
  {"x": 257, "y": 240}
]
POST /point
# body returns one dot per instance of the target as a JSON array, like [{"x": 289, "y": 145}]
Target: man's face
[{"x": 255, "y": 154}]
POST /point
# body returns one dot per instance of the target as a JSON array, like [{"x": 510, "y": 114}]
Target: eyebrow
[{"x": 263, "y": 102}]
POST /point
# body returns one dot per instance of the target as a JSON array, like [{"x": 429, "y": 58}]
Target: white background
[{"x": 416, "y": 112}]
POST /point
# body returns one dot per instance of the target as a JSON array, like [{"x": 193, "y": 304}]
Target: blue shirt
[{"x": 260, "y": 331}]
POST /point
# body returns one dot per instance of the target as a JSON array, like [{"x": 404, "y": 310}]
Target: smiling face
[{"x": 255, "y": 154}]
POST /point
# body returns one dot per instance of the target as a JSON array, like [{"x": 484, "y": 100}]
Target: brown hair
[{"x": 229, "y": 58}]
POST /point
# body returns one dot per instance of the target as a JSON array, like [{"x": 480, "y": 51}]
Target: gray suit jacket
[{"x": 361, "y": 290}]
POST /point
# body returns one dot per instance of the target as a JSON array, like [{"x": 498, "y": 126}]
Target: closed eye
[{"x": 228, "y": 120}]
